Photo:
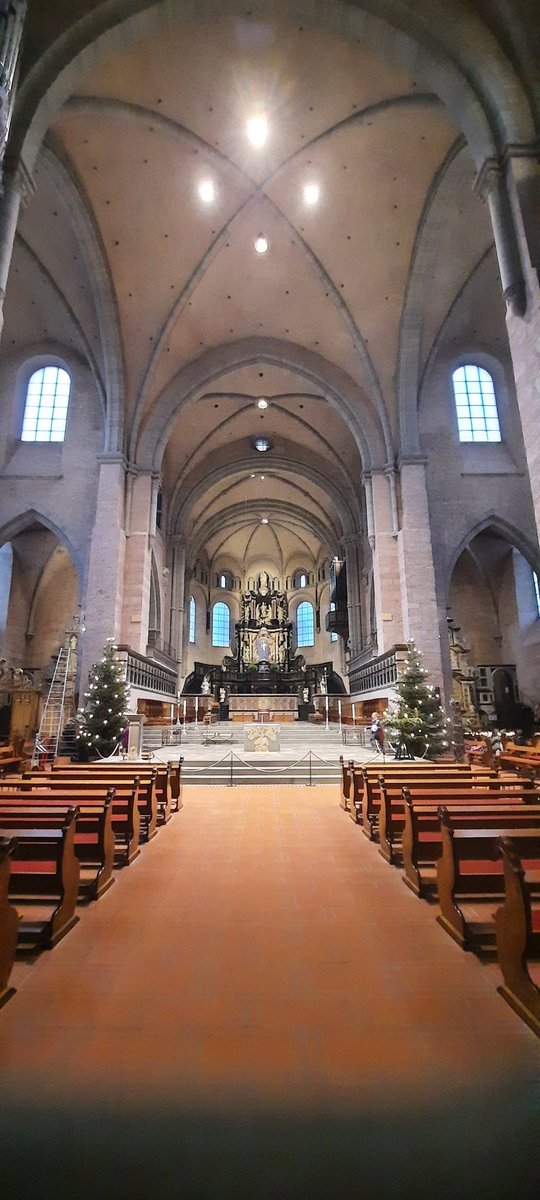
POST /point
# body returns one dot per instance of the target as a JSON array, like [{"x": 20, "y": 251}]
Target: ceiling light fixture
[
  {"x": 207, "y": 191},
  {"x": 261, "y": 243},
  {"x": 261, "y": 444},
  {"x": 262, "y": 403},
  {"x": 264, "y": 520},
  {"x": 257, "y": 130},
  {"x": 311, "y": 193}
]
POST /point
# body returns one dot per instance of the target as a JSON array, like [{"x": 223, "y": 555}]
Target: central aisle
[{"x": 261, "y": 958}]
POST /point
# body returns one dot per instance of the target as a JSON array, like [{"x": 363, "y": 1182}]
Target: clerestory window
[
  {"x": 220, "y": 624},
  {"x": 476, "y": 405},
  {"x": 47, "y": 400},
  {"x": 305, "y": 629}
]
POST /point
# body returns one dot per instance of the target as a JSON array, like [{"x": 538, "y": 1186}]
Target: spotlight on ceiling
[
  {"x": 262, "y": 403},
  {"x": 262, "y": 444},
  {"x": 261, "y": 243},
  {"x": 264, "y": 520},
  {"x": 257, "y": 130},
  {"x": 207, "y": 191},
  {"x": 311, "y": 193},
  {"x": 262, "y": 476}
]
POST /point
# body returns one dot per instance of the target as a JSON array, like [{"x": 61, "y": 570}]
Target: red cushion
[{"x": 27, "y": 868}]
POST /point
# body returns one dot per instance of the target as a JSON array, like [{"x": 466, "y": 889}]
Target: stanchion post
[{"x": 231, "y": 783}]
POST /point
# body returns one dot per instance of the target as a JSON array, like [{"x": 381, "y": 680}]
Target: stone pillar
[
  {"x": 137, "y": 569},
  {"x": 382, "y": 534},
  {"x": 524, "y": 327},
  {"x": 104, "y": 585},
  {"x": 416, "y": 570},
  {"x": 17, "y": 188},
  {"x": 178, "y": 584},
  {"x": 353, "y": 555}
]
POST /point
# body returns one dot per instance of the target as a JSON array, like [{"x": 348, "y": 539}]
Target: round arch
[
  {"x": 455, "y": 55},
  {"x": 191, "y": 381}
]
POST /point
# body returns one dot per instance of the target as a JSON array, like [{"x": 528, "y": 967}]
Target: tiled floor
[{"x": 261, "y": 958}]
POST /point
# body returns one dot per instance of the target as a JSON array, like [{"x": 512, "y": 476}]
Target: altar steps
[{"x": 291, "y": 733}]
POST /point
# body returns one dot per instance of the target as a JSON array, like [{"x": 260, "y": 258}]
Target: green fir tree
[
  {"x": 418, "y": 724},
  {"x": 103, "y": 720}
]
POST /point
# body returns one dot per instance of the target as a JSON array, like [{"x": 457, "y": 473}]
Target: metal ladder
[{"x": 55, "y": 710}]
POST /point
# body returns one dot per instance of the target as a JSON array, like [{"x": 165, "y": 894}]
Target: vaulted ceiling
[{"x": 184, "y": 324}]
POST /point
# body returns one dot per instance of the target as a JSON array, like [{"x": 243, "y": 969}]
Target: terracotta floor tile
[{"x": 259, "y": 948}]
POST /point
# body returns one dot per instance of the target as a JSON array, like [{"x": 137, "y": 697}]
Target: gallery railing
[
  {"x": 382, "y": 672},
  {"x": 143, "y": 672}
]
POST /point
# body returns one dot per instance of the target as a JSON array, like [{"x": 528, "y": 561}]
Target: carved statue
[{"x": 205, "y": 686}]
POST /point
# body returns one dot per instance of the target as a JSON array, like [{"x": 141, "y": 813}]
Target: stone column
[
  {"x": 102, "y": 603},
  {"x": 416, "y": 570},
  {"x": 524, "y": 327},
  {"x": 354, "y": 566},
  {"x": 137, "y": 571},
  {"x": 17, "y": 188},
  {"x": 382, "y": 534},
  {"x": 178, "y": 584}
]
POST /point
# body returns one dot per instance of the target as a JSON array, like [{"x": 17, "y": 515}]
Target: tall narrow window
[
  {"x": 220, "y": 624},
  {"x": 536, "y": 585},
  {"x": 304, "y": 624},
  {"x": 476, "y": 405},
  {"x": 333, "y": 636},
  {"x": 47, "y": 399},
  {"x": 192, "y": 616}
]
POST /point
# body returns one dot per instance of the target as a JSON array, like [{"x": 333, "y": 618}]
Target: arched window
[
  {"x": 225, "y": 580},
  {"x": 536, "y": 586},
  {"x": 333, "y": 636},
  {"x": 300, "y": 579},
  {"x": 192, "y": 616},
  {"x": 476, "y": 405},
  {"x": 220, "y": 624},
  {"x": 47, "y": 399},
  {"x": 304, "y": 624}
]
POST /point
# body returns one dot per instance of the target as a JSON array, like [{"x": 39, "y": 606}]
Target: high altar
[{"x": 264, "y": 631}]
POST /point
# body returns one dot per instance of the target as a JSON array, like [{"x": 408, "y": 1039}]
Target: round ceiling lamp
[
  {"x": 260, "y": 243},
  {"x": 262, "y": 444},
  {"x": 207, "y": 191},
  {"x": 257, "y": 130},
  {"x": 262, "y": 403},
  {"x": 311, "y": 193}
]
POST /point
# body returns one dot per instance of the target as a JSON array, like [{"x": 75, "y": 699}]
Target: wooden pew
[
  {"x": 9, "y": 921},
  {"x": 126, "y": 810},
  {"x": 346, "y": 781},
  {"x": 517, "y": 926},
  {"x": 477, "y": 790},
  {"x": 421, "y": 840},
  {"x": 523, "y": 759},
  {"x": 9, "y": 761},
  {"x": 364, "y": 812},
  {"x": 170, "y": 770},
  {"x": 422, "y": 782},
  {"x": 469, "y": 871},
  {"x": 125, "y": 816},
  {"x": 88, "y": 777},
  {"x": 44, "y": 880},
  {"x": 94, "y": 835}
]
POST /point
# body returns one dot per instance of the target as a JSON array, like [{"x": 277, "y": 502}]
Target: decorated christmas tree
[
  {"x": 103, "y": 720},
  {"x": 418, "y": 723}
]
